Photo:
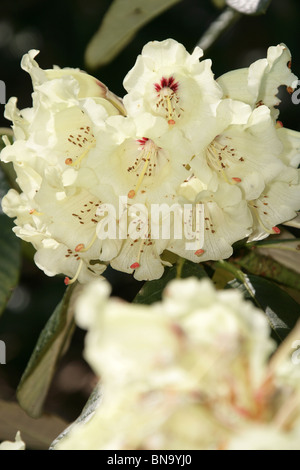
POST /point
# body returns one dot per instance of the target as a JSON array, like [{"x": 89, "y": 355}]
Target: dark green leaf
[
  {"x": 152, "y": 290},
  {"x": 267, "y": 267},
  {"x": 121, "y": 22},
  {"x": 10, "y": 252},
  {"x": 51, "y": 345},
  {"x": 249, "y": 7},
  {"x": 282, "y": 311},
  {"x": 10, "y": 260}
]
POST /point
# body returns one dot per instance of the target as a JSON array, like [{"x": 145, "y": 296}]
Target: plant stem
[{"x": 226, "y": 19}]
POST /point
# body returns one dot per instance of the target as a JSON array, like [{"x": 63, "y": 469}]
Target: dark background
[{"x": 61, "y": 29}]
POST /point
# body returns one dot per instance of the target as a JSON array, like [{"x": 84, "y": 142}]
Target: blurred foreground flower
[{"x": 189, "y": 372}]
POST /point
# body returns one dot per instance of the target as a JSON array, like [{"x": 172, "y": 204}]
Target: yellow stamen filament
[
  {"x": 170, "y": 108},
  {"x": 133, "y": 192},
  {"x": 35, "y": 212},
  {"x": 271, "y": 232},
  {"x": 84, "y": 249}
]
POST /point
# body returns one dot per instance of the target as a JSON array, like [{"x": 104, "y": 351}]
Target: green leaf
[
  {"x": 152, "y": 290},
  {"x": 282, "y": 311},
  {"x": 120, "y": 24},
  {"x": 91, "y": 406},
  {"x": 10, "y": 252},
  {"x": 265, "y": 266},
  {"x": 249, "y": 7},
  {"x": 51, "y": 345}
]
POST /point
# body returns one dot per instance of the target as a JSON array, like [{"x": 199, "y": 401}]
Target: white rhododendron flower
[
  {"x": 244, "y": 151},
  {"x": 259, "y": 84},
  {"x": 189, "y": 372},
  {"x": 57, "y": 210},
  {"x": 225, "y": 219},
  {"x": 183, "y": 164},
  {"x": 17, "y": 445},
  {"x": 174, "y": 86},
  {"x": 146, "y": 163}
]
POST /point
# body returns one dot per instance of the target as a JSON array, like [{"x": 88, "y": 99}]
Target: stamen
[
  {"x": 69, "y": 281},
  {"x": 168, "y": 99},
  {"x": 83, "y": 250},
  {"x": 220, "y": 157},
  {"x": 279, "y": 125},
  {"x": 275, "y": 230},
  {"x": 35, "y": 212},
  {"x": 68, "y": 161},
  {"x": 82, "y": 156}
]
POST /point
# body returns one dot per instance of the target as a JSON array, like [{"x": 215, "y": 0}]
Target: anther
[
  {"x": 199, "y": 252},
  {"x": 135, "y": 266},
  {"x": 131, "y": 194}
]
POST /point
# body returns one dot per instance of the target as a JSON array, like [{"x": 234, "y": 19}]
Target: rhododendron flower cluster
[
  {"x": 179, "y": 138},
  {"x": 189, "y": 372}
]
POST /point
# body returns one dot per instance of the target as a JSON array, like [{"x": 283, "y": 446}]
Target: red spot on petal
[
  {"x": 67, "y": 281},
  {"x": 237, "y": 180},
  {"x": 32, "y": 211},
  {"x": 135, "y": 266},
  {"x": 79, "y": 247},
  {"x": 167, "y": 83},
  {"x": 276, "y": 230},
  {"x": 171, "y": 122},
  {"x": 143, "y": 140},
  {"x": 199, "y": 252},
  {"x": 131, "y": 194},
  {"x": 68, "y": 161}
]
